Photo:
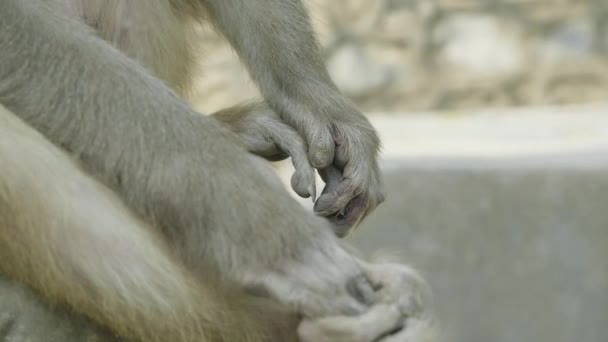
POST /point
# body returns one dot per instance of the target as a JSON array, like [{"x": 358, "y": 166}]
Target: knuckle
[{"x": 323, "y": 145}]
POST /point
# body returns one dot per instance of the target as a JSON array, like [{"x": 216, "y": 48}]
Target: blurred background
[
  {"x": 396, "y": 55},
  {"x": 494, "y": 117}
]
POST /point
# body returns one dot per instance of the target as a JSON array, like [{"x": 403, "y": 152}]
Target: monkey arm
[{"x": 275, "y": 40}]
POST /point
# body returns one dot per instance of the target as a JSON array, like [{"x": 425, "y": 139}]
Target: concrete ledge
[{"x": 494, "y": 133}]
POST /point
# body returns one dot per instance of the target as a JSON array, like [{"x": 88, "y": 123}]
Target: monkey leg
[{"x": 74, "y": 243}]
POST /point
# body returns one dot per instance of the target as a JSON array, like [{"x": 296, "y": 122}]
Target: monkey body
[{"x": 146, "y": 215}]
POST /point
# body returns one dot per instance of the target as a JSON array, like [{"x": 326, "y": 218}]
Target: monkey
[{"x": 99, "y": 79}]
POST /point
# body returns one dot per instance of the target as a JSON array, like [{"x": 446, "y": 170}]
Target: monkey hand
[
  {"x": 265, "y": 134},
  {"x": 344, "y": 150},
  {"x": 322, "y": 282},
  {"x": 344, "y": 147},
  {"x": 398, "y": 314},
  {"x": 401, "y": 284}
]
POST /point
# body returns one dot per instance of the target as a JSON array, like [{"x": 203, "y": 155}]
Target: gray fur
[
  {"x": 276, "y": 42},
  {"x": 99, "y": 79}
]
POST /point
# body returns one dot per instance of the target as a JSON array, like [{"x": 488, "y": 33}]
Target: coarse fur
[
  {"x": 91, "y": 253},
  {"x": 100, "y": 80}
]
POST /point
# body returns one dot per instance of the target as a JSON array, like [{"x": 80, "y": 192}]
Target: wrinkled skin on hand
[{"x": 343, "y": 147}]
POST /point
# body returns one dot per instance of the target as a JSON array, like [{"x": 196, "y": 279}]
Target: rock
[
  {"x": 354, "y": 73},
  {"x": 570, "y": 40},
  {"x": 479, "y": 44}
]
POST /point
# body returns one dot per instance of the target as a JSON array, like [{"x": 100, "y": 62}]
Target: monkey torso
[{"x": 158, "y": 34}]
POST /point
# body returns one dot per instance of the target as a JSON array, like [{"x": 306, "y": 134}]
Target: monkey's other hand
[
  {"x": 319, "y": 281},
  {"x": 398, "y": 315},
  {"x": 344, "y": 147},
  {"x": 265, "y": 134}
]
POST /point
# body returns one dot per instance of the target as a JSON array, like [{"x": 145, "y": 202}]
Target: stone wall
[{"x": 396, "y": 55}]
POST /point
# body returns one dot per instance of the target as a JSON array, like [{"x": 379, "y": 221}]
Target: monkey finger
[
  {"x": 331, "y": 176},
  {"x": 350, "y": 216},
  {"x": 361, "y": 288},
  {"x": 261, "y": 147},
  {"x": 343, "y": 151},
  {"x": 288, "y": 140},
  {"x": 359, "y": 164},
  {"x": 349, "y": 305},
  {"x": 303, "y": 183},
  {"x": 277, "y": 157},
  {"x": 321, "y": 145},
  {"x": 367, "y": 184},
  {"x": 379, "y": 321},
  {"x": 339, "y": 202},
  {"x": 335, "y": 198}
]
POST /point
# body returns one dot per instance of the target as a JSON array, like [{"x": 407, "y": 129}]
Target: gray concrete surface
[{"x": 514, "y": 250}]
